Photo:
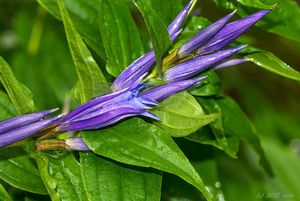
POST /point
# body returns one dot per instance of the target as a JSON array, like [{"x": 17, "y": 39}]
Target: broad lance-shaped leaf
[
  {"x": 18, "y": 170},
  {"x": 181, "y": 115},
  {"x": 6, "y": 107},
  {"x": 3, "y": 194},
  {"x": 137, "y": 143},
  {"x": 160, "y": 37},
  {"x": 105, "y": 179},
  {"x": 211, "y": 106},
  {"x": 236, "y": 123},
  {"x": 120, "y": 35},
  {"x": 89, "y": 74},
  {"x": 18, "y": 93},
  {"x": 206, "y": 136},
  {"x": 84, "y": 14},
  {"x": 61, "y": 175},
  {"x": 261, "y": 4},
  {"x": 270, "y": 62}
]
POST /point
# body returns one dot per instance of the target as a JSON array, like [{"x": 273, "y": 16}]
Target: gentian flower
[
  {"x": 230, "y": 32},
  {"x": 107, "y": 110},
  {"x": 189, "y": 68},
  {"x": 136, "y": 71},
  {"x": 162, "y": 92},
  {"x": 200, "y": 38},
  {"x": 229, "y": 62},
  {"x": 25, "y": 126}
]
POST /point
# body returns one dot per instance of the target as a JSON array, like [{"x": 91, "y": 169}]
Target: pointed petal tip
[
  {"x": 198, "y": 79},
  {"x": 150, "y": 115}
]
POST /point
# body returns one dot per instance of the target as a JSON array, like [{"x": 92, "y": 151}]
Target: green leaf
[
  {"x": 165, "y": 9},
  {"x": 108, "y": 180},
  {"x": 84, "y": 14},
  {"x": 89, "y": 74},
  {"x": 181, "y": 115},
  {"x": 120, "y": 35},
  {"x": 18, "y": 170},
  {"x": 211, "y": 106},
  {"x": 18, "y": 93},
  {"x": 137, "y": 143},
  {"x": 158, "y": 31},
  {"x": 236, "y": 123},
  {"x": 256, "y": 4},
  {"x": 6, "y": 107},
  {"x": 206, "y": 136},
  {"x": 283, "y": 20},
  {"x": 61, "y": 175},
  {"x": 272, "y": 63},
  {"x": 4, "y": 195}
]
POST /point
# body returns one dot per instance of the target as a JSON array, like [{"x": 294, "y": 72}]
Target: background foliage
[{"x": 224, "y": 154}]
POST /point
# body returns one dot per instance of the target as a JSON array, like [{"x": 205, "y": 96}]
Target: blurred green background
[{"x": 34, "y": 44}]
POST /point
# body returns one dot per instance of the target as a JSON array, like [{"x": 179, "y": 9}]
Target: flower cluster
[{"x": 131, "y": 98}]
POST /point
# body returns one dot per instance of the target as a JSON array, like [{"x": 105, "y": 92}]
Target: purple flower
[
  {"x": 194, "y": 66},
  {"x": 230, "y": 32},
  {"x": 203, "y": 36},
  {"x": 162, "y": 92},
  {"x": 104, "y": 111},
  {"x": 18, "y": 121},
  {"x": 19, "y": 133},
  {"x": 136, "y": 71},
  {"x": 230, "y": 62}
]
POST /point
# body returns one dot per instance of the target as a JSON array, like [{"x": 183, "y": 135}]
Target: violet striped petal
[
  {"x": 135, "y": 104},
  {"x": 24, "y": 132},
  {"x": 180, "y": 18},
  {"x": 230, "y": 62},
  {"x": 203, "y": 36},
  {"x": 103, "y": 119},
  {"x": 23, "y": 120},
  {"x": 101, "y": 102},
  {"x": 162, "y": 92},
  {"x": 230, "y": 32},
  {"x": 194, "y": 66},
  {"x": 92, "y": 103}
]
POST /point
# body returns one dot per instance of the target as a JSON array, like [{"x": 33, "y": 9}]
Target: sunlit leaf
[
  {"x": 6, "y": 107},
  {"x": 4, "y": 195},
  {"x": 137, "y": 143},
  {"x": 270, "y": 62},
  {"x": 182, "y": 115},
  {"x": 89, "y": 74},
  {"x": 18, "y": 93},
  {"x": 108, "y": 180},
  {"x": 17, "y": 169},
  {"x": 120, "y": 35}
]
